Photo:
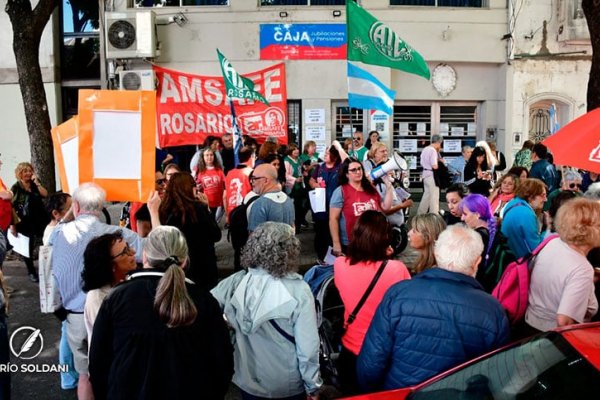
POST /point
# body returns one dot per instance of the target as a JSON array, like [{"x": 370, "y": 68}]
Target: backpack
[
  {"x": 442, "y": 177},
  {"x": 513, "y": 289},
  {"x": 238, "y": 224}
]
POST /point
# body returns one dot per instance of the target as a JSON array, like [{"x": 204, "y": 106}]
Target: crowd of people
[{"x": 144, "y": 314}]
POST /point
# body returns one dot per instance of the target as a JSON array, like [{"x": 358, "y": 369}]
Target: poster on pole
[{"x": 191, "y": 107}]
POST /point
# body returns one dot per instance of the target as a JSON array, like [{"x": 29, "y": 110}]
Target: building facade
[{"x": 502, "y": 71}]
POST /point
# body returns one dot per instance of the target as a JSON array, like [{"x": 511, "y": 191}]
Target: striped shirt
[{"x": 69, "y": 242}]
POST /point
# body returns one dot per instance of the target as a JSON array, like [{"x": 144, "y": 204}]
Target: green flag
[
  {"x": 372, "y": 42},
  {"x": 237, "y": 86}
]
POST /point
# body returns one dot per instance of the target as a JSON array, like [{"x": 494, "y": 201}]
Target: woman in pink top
[
  {"x": 353, "y": 273},
  {"x": 503, "y": 192}
]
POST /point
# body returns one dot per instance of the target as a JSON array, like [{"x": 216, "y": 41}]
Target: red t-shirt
[
  {"x": 355, "y": 203},
  {"x": 133, "y": 208},
  {"x": 5, "y": 210},
  {"x": 352, "y": 282},
  {"x": 237, "y": 186},
  {"x": 213, "y": 181}
]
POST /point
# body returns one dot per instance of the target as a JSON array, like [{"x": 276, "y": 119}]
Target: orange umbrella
[{"x": 577, "y": 144}]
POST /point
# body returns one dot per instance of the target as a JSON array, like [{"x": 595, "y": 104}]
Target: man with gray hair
[
  {"x": 593, "y": 192},
  {"x": 571, "y": 181},
  {"x": 430, "y": 202},
  {"x": 69, "y": 241},
  {"x": 435, "y": 321},
  {"x": 272, "y": 205},
  {"x": 457, "y": 166}
]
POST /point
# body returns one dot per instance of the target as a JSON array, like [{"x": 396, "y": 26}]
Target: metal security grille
[
  {"x": 413, "y": 126},
  {"x": 539, "y": 124},
  {"x": 347, "y": 120},
  {"x": 295, "y": 122}
]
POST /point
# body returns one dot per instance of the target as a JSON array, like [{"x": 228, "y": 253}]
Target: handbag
[
  {"x": 364, "y": 297},
  {"x": 49, "y": 296}
]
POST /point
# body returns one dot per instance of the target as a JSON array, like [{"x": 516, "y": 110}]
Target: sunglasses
[
  {"x": 125, "y": 251},
  {"x": 355, "y": 170},
  {"x": 575, "y": 185},
  {"x": 161, "y": 181}
]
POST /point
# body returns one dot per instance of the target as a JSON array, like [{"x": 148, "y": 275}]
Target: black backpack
[
  {"x": 238, "y": 224},
  {"x": 442, "y": 176}
]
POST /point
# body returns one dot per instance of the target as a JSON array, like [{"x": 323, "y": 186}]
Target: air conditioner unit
[
  {"x": 139, "y": 79},
  {"x": 130, "y": 34}
]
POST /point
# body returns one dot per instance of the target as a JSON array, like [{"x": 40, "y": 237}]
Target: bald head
[{"x": 266, "y": 170}]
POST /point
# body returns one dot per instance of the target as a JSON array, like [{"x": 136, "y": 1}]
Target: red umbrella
[{"x": 577, "y": 144}]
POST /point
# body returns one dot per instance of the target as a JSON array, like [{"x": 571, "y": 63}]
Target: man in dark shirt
[
  {"x": 542, "y": 169},
  {"x": 227, "y": 153}
]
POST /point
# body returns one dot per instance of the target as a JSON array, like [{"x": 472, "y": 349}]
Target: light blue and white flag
[{"x": 367, "y": 93}]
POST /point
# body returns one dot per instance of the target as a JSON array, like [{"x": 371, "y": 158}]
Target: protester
[
  {"x": 433, "y": 322},
  {"x": 325, "y": 175},
  {"x": 519, "y": 220},
  {"x": 211, "y": 180},
  {"x": 501, "y": 165},
  {"x": 477, "y": 215},
  {"x": 542, "y": 169},
  {"x": 589, "y": 178},
  {"x": 359, "y": 151},
  {"x": 523, "y": 156},
  {"x": 106, "y": 261},
  {"x": 158, "y": 335},
  {"x": 377, "y": 155},
  {"x": 430, "y": 202},
  {"x": 237, "y": 181},
  {"x": 490, "y": 157},
  {"x": 58, "y": 206},
  {"x": 267, "y": 148},
  {"x": 273, "y": 204},
  {"x": 355, "y": 195},
  {"x": 562, "y": 293},
  {"x": 170, "y": 170},
  {"x": 555, "y": 205},
  {"x": 69, "y": 241},
  {"x": 519, "y": 172},
  {"x": 373, "y": 138},
  {"x": 180, "y": 208},
  {"x": 457, "y": 166},
  {"x": 571, "y": 182},
  {"x": 369, "y": 248},
  {"x": 478, "y": 173},
  {"x": 503, "y": 192},
  {"x": 272, "y": 313},
  {"x": 142, "y": 226},
  {"x": 6, "y": 211},
  {"x": 454, "y": 194},
  {"x": 29, "y": 207},
  {"x": 227, "y": 153},
  {"x": 424, "y": 231},
  {"x": 295, "y": 184}
]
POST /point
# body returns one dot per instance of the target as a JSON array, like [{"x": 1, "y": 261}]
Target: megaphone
[{"x": 395, "y": 162}]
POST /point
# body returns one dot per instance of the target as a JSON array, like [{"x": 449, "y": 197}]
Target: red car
[{"x": 560, "y": 364}]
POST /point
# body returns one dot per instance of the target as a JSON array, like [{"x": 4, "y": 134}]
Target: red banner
[{"x": 191, "y": 107}]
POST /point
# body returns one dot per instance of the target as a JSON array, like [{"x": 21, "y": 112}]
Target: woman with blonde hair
[
  {"x": 158, "y": 335},
  {"x": 29, "y": 207},
  {"x": 424, "y": 231},
  {"x": 562, "y": 293},
  {"x": 272, "y": 313}
]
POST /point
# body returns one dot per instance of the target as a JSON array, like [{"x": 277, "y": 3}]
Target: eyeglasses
[
  {"x": 574, "y": 185},
  {"x": 355, "y": 170},
  {"x": 161, "y": 181},
  {"x": 358, "y": 139},
  {"x": 125, "y": 251},
  {"x": 255, "y": 178}
]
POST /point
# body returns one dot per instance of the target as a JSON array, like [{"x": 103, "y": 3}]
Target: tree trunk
[
  {"x": 591, "y": 9},
  {"x": 28, "y": 26}
]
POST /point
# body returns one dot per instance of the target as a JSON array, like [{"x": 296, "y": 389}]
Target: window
[
  {"x": 547, "y": 367},
  {"x": 179, "y": 3},
  {"x": 79, "y": 51},
  {"x": 438, "y": 3},
  {"x": 302, "y": 2},
  {"x": 295, "y": 121},
  {"x": 347, "y": 120},
  {"x": 413, "y": 125}
]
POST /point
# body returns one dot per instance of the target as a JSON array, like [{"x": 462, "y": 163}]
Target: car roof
[{"x": 585, "y": 338}]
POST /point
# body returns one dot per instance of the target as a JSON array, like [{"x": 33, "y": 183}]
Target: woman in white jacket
[{"x": 271, "y": 310}]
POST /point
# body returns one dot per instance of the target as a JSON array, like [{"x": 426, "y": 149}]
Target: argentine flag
[{"x": 367, "y": 93}]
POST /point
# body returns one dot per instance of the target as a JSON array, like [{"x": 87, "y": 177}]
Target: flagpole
[{"x": 237, "y": 145}]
